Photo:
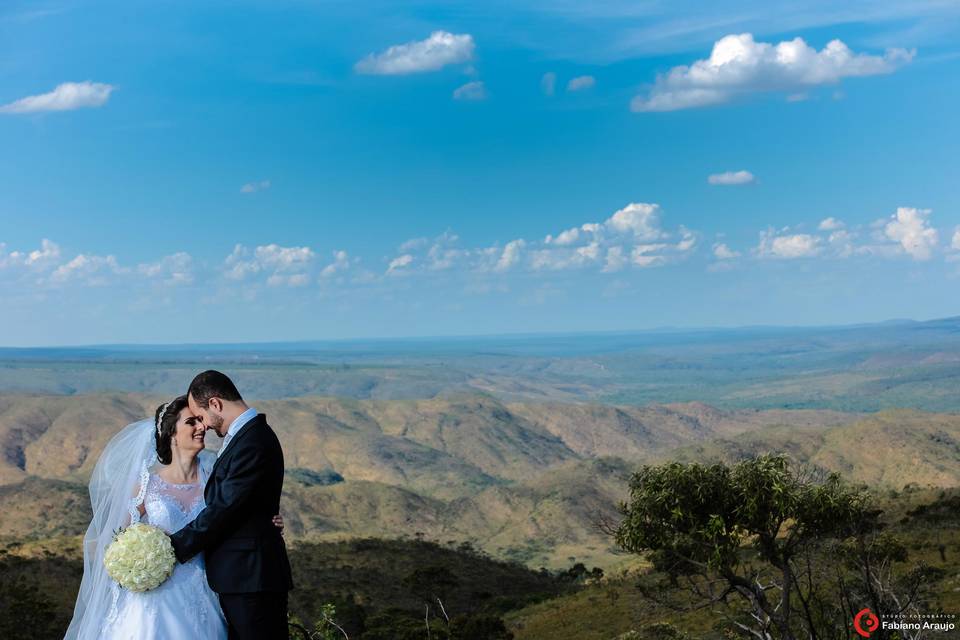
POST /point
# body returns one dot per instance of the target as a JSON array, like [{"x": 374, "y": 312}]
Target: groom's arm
[{"x": 232, "y": 494}]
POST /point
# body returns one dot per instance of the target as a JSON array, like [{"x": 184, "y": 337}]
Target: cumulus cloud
[
  {"x": 511, "y": 255},
  {"x": 788, "y": 246},
  {"x": 46, "y": 255},
  {"x": 907, "y": 231},
  {"x": 632, "y": 235},
  {"x": 439, "y": 50},
  {"x": 548, "y": 83},
  {"x": 65, "y": 97},
  {"x": 471, "y": 91},
  {"x": 615, "y": 260},
  {"x": 842, "y": 243},
  {"x": 341, "y": 262},
  {"x": 731, "y": 178},
  {"x": 253, "y": 187},
  {"x": 281, "y": 265},
  {"x": 564, "y": 237},
  {"x": 738, "y": 65},
  {"x": 639, "y": 218},
  {"x": 91, "y": 269},
  {"x": 722, "y": 252},
  {"x": 283, "y": 258},
  {"x": 630, "y": 238},
  {"x": 911, "y": 228},
  {"x": 288, "y": 280},
  {"x": 46, "y": 266},
  {"x": 399, "y": 263},
  {"x": 443, "y": 252},
  {"x": 580, "y": 83},
  {"x": 174, "y": 269}
]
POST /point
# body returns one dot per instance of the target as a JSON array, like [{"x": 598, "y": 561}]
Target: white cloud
[
  {"x": 548, "y": 258},
  {"x": 788, "y": 246},
  {"x": 632, "y": 235},
  {"x": 640, "y": 218},
  {"x": 688, "y": 240},
  {"x": 955, "y": 240},
  {"x": 399, "y": 263},
  {"x": 647, "y": 255},
  {"x": 341, "y": 262},
  {"x": 238, "y": 267},
  {"x": 911, "y": 228},
  {"x": 439, "y": 50},
  {"x": 842, "y": 243},
  {"x": 615, "y": 260},
  {"x": 90, "y": 269},
  {"x": 253, "y": 187},
  {"x": 548, "y": 83},
  {"x": 738, "y": 65},
  {"x": 906, "y": 232},
  {"x": 731, "y": 178},
  {"x": 580, "y": 83},
  {"x": 413, "y": 243},
  {"x": 47, "y": 255},
  {"x": 281, "y": 265},
  {"x": 443, "y": 253},
  {"x": 471, "y": 91},
  {"x": 564, "y": 237},
  {"x": 288, "y": 280},
  {"x": 174, "y": 269},
  {"x": 65, "y": 97},
  {"x": 283, "y": 258},
  {"x": 511, "y": 255},
  {"x": 722, "y": 252}
]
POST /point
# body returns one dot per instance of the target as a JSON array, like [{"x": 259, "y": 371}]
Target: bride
[{"x": 153, "y": 471}]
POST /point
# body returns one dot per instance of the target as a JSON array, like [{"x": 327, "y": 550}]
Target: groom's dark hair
[{"x": 213, "y": 384}]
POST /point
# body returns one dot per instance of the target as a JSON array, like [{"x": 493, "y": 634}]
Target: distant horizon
[{"x": 477, "y": 336}]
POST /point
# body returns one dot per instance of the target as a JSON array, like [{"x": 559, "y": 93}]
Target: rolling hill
[{"x": 526, "y": 481}]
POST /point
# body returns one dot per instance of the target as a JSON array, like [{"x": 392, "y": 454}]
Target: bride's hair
[{"x": 165, "y": 420}]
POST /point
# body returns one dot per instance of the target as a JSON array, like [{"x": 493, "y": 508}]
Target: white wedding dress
[{"x": 183, "y": 606}]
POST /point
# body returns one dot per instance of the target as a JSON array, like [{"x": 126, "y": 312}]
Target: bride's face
[{"x": 189, "y": 433}]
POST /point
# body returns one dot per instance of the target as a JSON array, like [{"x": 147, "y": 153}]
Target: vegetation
[
  {"x": 373, "y": 589},
  {"x": 784, "y": 552},
  {"x": 364, "y": 589}
]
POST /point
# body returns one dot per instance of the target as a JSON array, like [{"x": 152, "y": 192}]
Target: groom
[{"x": 246, "y": 558}]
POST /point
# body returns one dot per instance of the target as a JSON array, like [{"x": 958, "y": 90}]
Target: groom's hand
[{"x": 278, "y": 522}]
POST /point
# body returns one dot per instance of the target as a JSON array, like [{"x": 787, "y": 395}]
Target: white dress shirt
[{"x": 240, "y": 420}]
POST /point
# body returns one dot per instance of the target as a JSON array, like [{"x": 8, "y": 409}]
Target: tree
[
  {"x": 431, "y": 584},
  {"x": 26, "y": 612},
  {"x": 757, "y": 536}
]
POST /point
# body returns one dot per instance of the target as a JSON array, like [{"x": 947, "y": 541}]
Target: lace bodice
[
  {"x": 170, "y": 506},
  {"x": 183, "y": 606}
]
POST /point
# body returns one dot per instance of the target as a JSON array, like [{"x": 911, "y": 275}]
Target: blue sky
[{"x": 195, "y": 172}]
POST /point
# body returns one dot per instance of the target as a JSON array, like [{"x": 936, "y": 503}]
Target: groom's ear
[{"x": 216, "y": 404}]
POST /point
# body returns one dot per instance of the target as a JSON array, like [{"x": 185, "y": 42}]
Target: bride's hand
[{"x": 278, "y": 522}]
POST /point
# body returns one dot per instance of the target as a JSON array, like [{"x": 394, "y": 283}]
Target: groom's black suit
[{"x": 246, "y": 558}]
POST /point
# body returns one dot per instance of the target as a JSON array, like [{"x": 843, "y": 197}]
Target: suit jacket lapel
[{"x": 233, "y": 442}]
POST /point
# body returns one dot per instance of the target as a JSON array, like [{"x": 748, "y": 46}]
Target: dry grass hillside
[{"x": 521, "y": 480}]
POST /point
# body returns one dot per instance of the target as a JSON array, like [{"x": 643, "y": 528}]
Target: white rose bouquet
[{"x": 140, "y": 558}]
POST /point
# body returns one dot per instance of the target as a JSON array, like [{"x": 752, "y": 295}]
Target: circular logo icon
[{"x": 865, "y": 622}]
